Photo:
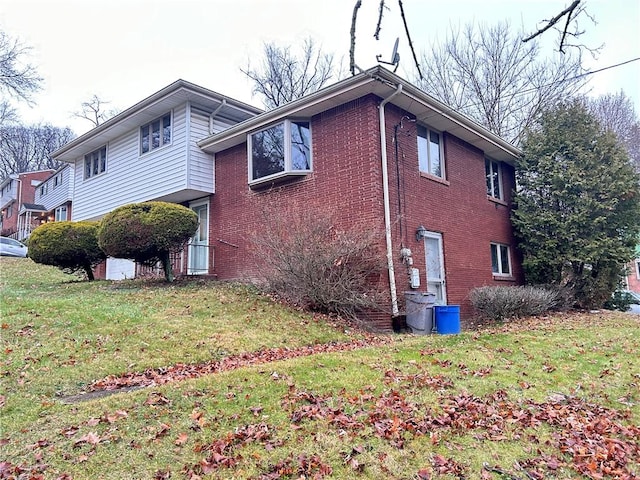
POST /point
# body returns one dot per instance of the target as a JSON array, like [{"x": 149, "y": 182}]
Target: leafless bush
[
  {"x": 312, "y": 264},
  {"x": 500, "y": 303}
]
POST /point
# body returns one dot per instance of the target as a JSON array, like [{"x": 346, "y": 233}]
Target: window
[
  {"x": 156, "y": 134},
  {"x": 493, "y": 171},
  {"x": 95, "y": 163},
  {"x": 61, "y": 214},
  {"x": 10, "y": 211},
  {"x": 281, "y": 150},
  {"x": 638, "y": 269},
  {"x": 57, "y": 180},
  {"x": 44, "y": 189},
  {"x": 429, "y": 156},
  {"x": 500, "y": 259}
]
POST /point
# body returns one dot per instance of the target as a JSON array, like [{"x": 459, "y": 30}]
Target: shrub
[
  {"x": 620, "y": 300},
  {"x": 147, "y": 232},
  {"x": 70, "y": 246},
  {"x": 500, "y": 303},
  {"x": 312, "y": 264}
]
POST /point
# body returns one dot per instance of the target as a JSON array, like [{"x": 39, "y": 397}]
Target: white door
[
  {"x": 435, "y": 266},
  {"x": 199, "y": 245}
]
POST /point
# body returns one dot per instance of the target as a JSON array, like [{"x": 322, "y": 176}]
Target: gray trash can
[{"x": 419, "y": 311}]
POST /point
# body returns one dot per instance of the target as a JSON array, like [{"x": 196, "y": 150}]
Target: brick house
[
  {"x": 17, "y": 196},
  {"x": 373, "y": 147}
]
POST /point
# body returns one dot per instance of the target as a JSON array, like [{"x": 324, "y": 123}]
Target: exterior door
[
  {"x": 199, "y": 245},
  {"x": 435, "y": 266}
]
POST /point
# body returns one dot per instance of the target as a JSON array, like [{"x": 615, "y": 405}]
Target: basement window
[{"x": 279, "y": 151}]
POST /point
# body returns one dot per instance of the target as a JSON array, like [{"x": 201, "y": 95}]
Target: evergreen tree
[{"x": 577, "y": 205}]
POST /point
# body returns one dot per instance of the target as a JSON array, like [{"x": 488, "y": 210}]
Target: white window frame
[
  {"x": 499, "y": 253},
  {"x": 288, "y": 168},
  {"x": 58, "y": 213},
  {"x": 162, "y": 142},
  {"x": 429, "y": 160},
  {"x": 102, "y": 165},
  {"x": 637, "y": 262},
  {"x": 490, "y": 174}
]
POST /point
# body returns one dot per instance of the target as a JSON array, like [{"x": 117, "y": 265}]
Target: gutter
[{"x": 387, "y": 210}]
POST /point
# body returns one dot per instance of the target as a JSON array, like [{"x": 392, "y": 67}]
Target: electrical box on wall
[{"x": 415, "y": 278}]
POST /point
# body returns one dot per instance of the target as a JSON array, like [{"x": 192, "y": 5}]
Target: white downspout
[{"x": 387, "y": 211}]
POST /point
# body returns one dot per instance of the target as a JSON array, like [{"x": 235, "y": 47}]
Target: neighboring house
[
  {"x": 150, "y": 152},
  {"x": 633, "y": 273},
  {"x": 17, "y": 194},
  {"x": 52, "y": 202},
  {"x": 430, "y": 180}
]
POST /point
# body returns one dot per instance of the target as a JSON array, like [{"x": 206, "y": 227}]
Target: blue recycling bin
[{"x": 447, "y": 319}]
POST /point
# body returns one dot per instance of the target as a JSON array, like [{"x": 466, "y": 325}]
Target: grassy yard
[{"x": 555, "y": 397}]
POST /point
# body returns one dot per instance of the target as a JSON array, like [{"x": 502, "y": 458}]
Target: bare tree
[
  {"x": 284, "y": 76},
  {"x": 567, "y": 25},
  {"x": 616, "y": 113},
  {"x": 488, "y": 74},
  {"x": 93, "y": 110},
  {"x": 28, "y": 148},
  {"x": 17, "y": 78}
]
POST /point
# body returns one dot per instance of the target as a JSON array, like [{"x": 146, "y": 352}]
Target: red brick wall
[
  {"x": 347, "y": 179},
  {"x": 458, "y": 209},
  {"x": 26, "y": 193}
]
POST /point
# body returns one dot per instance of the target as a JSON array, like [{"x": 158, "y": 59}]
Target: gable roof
[
  {"x": 381, "y": 82},
  {"x": 151, "y": 108}
]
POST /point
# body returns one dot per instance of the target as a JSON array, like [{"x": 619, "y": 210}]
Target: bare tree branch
[
  {"x": 567, "y": 11},
  {"x": 284, "y": 76},
  {"x": 17, "y": 79},
  {"x": 379, "y": 25},
  {"x": 572, "y": 14},
  {"x": 488, "y": 74},
  {"x": 352, "y": 48},
  {"x": 406, "y": 29},
  {"x": 93, "y": 111}
]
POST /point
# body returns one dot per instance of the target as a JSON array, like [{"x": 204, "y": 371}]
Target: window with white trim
[
  {"x": 44, "y": 188},
  {"x": 500, "y": 259},
  {"x": 493, "y": 171},
  {"x": 638, "y": 269},
  {"x": 280, "y": 150},
  {"x": 429, "y": 152},
  {"x": 95, "y": 163},
  {"x": 57, "y": 180},
  {"x": 61, "y": 214},
  {"x": 155, "y": 134}
]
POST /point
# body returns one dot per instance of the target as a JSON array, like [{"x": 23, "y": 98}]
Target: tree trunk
[
  {"x": 89, "y": 271},
  {"x": 166, "y": 266}
]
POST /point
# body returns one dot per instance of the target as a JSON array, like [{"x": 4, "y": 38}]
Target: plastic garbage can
[
  {"x": 419, "y": 311},
  {"x": 447, "y": 319}
]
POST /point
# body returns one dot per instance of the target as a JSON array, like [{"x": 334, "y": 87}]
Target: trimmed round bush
[
  {"x": 147, "y": 232},
  {"x": 70, "y": 246}
]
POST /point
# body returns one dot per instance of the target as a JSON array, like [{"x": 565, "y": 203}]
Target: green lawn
[{"x": 556, "y": 397}]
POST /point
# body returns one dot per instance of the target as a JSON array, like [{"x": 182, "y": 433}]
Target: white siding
[
  {"x": 201, "y": 170},
  {"x": 56, "y": 194},
  {"x": 131, "y": 177}
]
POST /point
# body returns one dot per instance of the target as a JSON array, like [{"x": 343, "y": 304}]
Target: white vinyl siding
[
  {"x": 59, "y": 195},
  {"x": 133, "y": 177},
  {"x": 201, "y": 170}
]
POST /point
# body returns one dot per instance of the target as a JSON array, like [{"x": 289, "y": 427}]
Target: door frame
[
  {"x": 190, "y": 250},
  {"x": 436, "y": 236}
]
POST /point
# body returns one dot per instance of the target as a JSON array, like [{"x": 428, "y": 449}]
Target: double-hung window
[
  {"x": 429, "y": 152},
  {"x": 61, "y": 214},
  {"x": 493, "y": 171},
  {"x": 500, "y": 259},
  {"x": 281, "y": 150},
  {"x": 155, "y": 134},
  {"x": 95, "y": 163}
]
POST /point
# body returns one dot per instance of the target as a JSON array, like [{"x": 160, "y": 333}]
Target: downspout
[
  {"x": 387, "y": 210},
  {"x": 213, "y": 114}
]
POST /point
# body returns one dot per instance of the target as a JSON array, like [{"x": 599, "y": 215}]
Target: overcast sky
[{"x": 125, "y": 50}]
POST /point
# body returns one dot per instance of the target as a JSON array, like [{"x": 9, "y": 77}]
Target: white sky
[{"x": 126, "y": 50}]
